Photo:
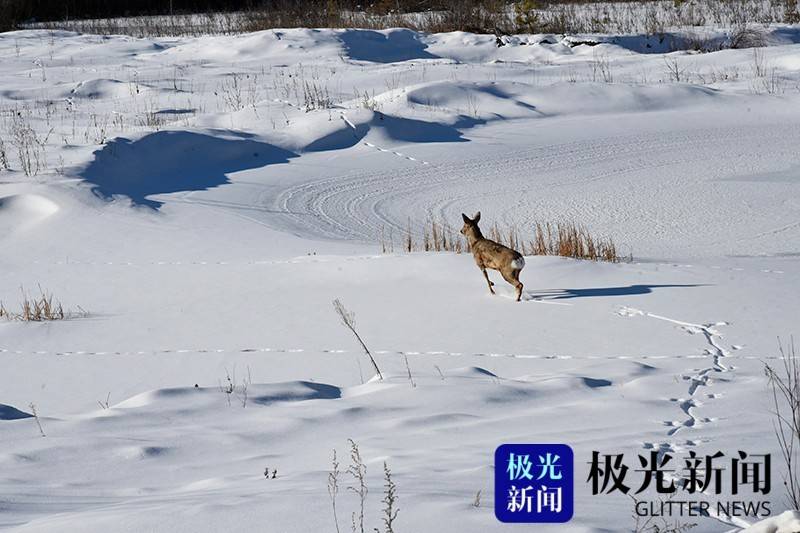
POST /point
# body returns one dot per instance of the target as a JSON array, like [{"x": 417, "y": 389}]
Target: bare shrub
[
  {"x": 745, "y": 36},
  {"x": 770, "y": 83},
  {"x": 701, "y": 42},
  {"x": 675, "y": 71},
  {"x": 316, "y": 96},
  {"x": 333, "y": 487},
  {"x": 243, "y": 388},
  {"x": 785, "y": 384},
  {"x": 228, "y": 387},
  {"x": 367, "y": 100},
  {"x": 97, "y": 129},
  {"x": 358, "y": 470},
  {"x": 601, "y": 68},
  {"x": 3, "y": 156},
  {"x": 231, "y": 89},
  {"x": 151, "y": 119},
  {"x": 29, "y": 145},
  {"x": 759, "y": 63},
  {"x": 765, "y": 77},
  {"x": 387, "y": 242},
  {"x": 390, "y": 509},
  {"x": 231, "y": 389}
]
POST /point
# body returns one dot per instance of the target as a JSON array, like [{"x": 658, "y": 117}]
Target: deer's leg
[
  {"x": 512, "y": 277},
  {"x": 488, "y": 281}
]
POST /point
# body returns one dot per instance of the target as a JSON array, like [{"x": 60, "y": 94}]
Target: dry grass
[
  {"x": 41, "y": 308},
  {"x": 565, "y": 239}
]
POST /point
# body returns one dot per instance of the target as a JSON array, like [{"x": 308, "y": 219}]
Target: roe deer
[{"x": 490, "y": 254}]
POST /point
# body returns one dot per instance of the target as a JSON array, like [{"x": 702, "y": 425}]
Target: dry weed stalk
[
  {"x": 349, "y": 321},
  {"x": 358, "y": 470},
  {"x": 390, "y": 509},
  {"x": 408, "y": 369},
  {"x": 35, "y": 414},
  {"x": 333, "y": 487},
  {"x": 105, "y": 404}
]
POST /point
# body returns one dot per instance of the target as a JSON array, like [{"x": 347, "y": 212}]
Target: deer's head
[{"x": 471, "y": 230}]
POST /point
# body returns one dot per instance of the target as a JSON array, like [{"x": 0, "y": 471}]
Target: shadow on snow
[
  {"x": 396, "y": 128},
  {"x": 630, "y": 290},
  {"x": 174, "y": 161},
  {"x": 384, "y": 47}
]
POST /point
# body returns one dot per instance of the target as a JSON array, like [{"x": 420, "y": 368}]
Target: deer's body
[{"x": 491, "y": 254}]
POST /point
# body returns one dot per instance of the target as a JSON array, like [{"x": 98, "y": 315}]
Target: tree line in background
[
  {"x": 150, "y": 18},
  {"x": 16, "y": 12}
]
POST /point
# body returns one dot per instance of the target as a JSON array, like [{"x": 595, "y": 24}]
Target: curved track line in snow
[
  {"x": 555, "y": 181},
  {"x": 352, "y": 126}
]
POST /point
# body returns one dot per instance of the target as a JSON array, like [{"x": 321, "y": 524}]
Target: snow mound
[
  {"x": 786, "y": 522},
  {"x": 280, "y": 47},
  {"x": 155, "y": 396},
  {"x": 471, "y": 372},
  {"x": 788, "y": 62},
  {"x": 175, "y": 161},
  {"x": 485, "y": 100},
  {"x": 319, "y": 133},
  {"x": 506, "y": 100},
  {"x": 204, "y": 397},
  {"x": 104, "y": 89},
  {"x": 294, "y": 391},
  {"x": 141, "y": 452},
  {"x": 21, "y": 210}
]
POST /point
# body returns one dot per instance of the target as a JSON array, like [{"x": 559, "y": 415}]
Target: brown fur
[{"x": 490, "y": 254}]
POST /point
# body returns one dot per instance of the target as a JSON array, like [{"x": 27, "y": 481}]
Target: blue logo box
[{"x": 533, "y": 483}]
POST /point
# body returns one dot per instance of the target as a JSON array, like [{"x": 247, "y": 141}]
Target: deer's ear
[
  {"x": 477, "y": 217},
  {"x": 466, "y": 218}
]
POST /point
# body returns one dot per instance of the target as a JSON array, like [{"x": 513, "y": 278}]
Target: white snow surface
[
  {"x": 196, "y": 220},
  {"x": 786, "y": 522}
]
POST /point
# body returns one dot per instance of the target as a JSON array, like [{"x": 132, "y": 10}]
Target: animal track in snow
[{"x": 696, "y": 377}]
